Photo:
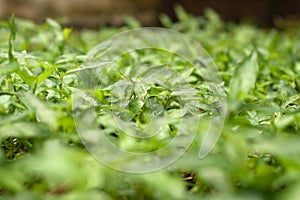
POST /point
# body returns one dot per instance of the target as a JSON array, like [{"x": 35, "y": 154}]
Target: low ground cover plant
[{"x": 256, "y": 157}]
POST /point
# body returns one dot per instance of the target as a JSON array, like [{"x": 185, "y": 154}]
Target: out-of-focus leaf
[
  {"x": 292, "y": 193},
  {"x": 165, "y": 20},
  {"x": 12, "y": 37},
  {"x": 27, "y": 78},
  {"x": 274, "y": 145},
  {"x": 44, "y": 112},
  {"x": 10, "y": 179},
  {"x": 164, "y": 185},
  {"x": 53, "y": 24},
  {"x": 6, "y": 69},
  {"x": 244, "y": 77},
  {"x": 22, "y": 129},
  {"x": 285, "y": 121}
]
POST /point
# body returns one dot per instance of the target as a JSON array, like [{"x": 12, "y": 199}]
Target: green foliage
[{"x": 256, "y": 157}]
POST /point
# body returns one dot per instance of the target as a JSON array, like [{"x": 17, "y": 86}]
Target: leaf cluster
[{"x": 256, "y": 157}]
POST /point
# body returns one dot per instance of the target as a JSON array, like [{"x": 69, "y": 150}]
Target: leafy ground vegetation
[{"x": 256, "y": 157}]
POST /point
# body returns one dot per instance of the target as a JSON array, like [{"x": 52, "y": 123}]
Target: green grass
[{"x": 256, "y": 157}]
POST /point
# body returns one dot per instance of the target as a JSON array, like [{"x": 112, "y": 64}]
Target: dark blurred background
[{"x": 92, "y": 13}]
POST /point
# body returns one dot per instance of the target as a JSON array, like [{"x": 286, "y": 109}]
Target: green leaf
[
  {"x": 285, "y": 121},
  {"x": 21, "y": 129},
  {"x": 135, "y": 106},
  {"x": 26, "y": 77},
  {"x": 132, "y": 22},
  {"x": 49, "y": 70},
  {"x": 154, "y": 91},
  {"x": 165, "y": 20},
  {"x": 181, "y": 14},
  {"x": 53, "y": 24},
  {"x": 43, "y": 111},
  {"x": 164, "y": 185},
  {"x": 12, "y": 37},
  {"x": 244, "y": 77},
  {"x": 6, "y": 69},
  {"x": 66, "y": 33}
]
